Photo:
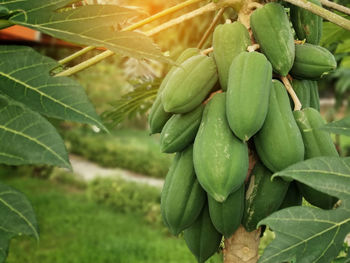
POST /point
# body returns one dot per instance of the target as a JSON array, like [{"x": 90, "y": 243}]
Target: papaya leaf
[
  {"x": 310, "y": 234},
  {"x": 93, "y": 25},
  {"x": 343, "y": 47},
  {"x": 25, "y": 77},
  {"x": 333, "y": 33},
  {"x": 28, "y": 138},
  {"x": 137, "y": 101},
  {"x": 16, "y": 218},
  {"x": 339, "y": 127}
]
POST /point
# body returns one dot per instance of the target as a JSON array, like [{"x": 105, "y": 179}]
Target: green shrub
[
  {"x": 67, "y": 178},
  {"x": 132, "y": 150},
  {"x": 126, "y": 197}
]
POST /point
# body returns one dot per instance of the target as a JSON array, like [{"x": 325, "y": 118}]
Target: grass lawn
[{"x": 74, "y": 229}]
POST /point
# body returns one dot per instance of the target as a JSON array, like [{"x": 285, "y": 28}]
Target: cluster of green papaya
[{"x": 209, "y": 108}]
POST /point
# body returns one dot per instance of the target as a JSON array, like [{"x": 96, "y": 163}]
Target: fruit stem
[
  {"x": 336, "y": 6},
  {"x": 253, "y": 47},
  {"x": 297, "y": 104},
  {"x": 207, "y": 51},
  {"x": 322, "y": 12},
  {"x": 242, "y": 246},
  {"x": 210, "y": 28},
  {"x": 211, "y": 96}
]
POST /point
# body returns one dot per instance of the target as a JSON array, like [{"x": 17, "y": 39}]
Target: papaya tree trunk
[{"x": 242, "y": 247}]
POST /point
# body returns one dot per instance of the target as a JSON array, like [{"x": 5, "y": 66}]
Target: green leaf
[
  {"x": 345, "y": 63},
  {"x": 309, "y": 234},
  {"x": 16, "y": 218},
  {"x": 135, "y": 102},
  {"x": 25, "y": 77},
  {"x": 343, "y": 47},
  {"x": 27, "y": 137},
  {"x": 339, "y": 127},
  {"x": 93, "y": 25},
  {"x": 333, "y": 33}
]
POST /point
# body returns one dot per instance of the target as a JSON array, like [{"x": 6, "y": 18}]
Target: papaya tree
[{"x": 241, "y": 111}]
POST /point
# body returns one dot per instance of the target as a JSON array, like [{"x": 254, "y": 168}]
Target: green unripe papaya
[
  {"x": 248, "y": 93},
  {"x": 228, "y": 41},
  {"x": 317, "y": 143},
  {"x": 226, "y": 216},
  {"x": 272, "y": 31},
  {"x": 263, "y": 196},
  {"x": 220, "y": 159},
  {"x": 307, "y": 92},
  {"x": 302, "y": 90},
  {"x": 314, "y": 96},
  {"x": 202, "y": 238},
  {"x": 312, "y": 62},
  {"x": 306, "y": 24},
  {"x": 186, "y": 54},
  {"x": 182, "y": 196},
  {"x": 293, "y": 196},
  {"x": 189, "y": 84},
  {"x": 279, "y": 142},
  {"x": 157, "y": 116},
  {"x": 180, "y": 130}
]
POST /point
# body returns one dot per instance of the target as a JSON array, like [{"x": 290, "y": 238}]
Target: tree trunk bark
[{"x": 242, "y": 246}]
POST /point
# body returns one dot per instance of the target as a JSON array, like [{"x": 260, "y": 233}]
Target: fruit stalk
[
  {"x": 336, "y": 6},
  {"x": 211, "y": 28},
  {"x": 328, "y": 15},
  {"x": 297, "y": 104}
]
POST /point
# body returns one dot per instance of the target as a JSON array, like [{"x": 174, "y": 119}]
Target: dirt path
[{"x": 89, "y": 171}]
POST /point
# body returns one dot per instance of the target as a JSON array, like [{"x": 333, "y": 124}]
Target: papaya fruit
[
  {"x": 307, "y": 92},
  {"x": 293, "y": 196},
  {"x": 220, "y": 159},
  {"x": 202, "y": 238},
  {"x": 317, "y": 143},
  {"x": 279, "y": 142},
  {"x": 226, "y": 216},
  {"x": 307, "y": 25},
  {"x": 189, "y": 84},
  {"x": 157, "y": 116},
  {"x": 272, "y": 31},
  {"x": 248, "y": 93},
  {"x": 302, "y": 90},
  {"x": 263, "y": 196},
  {"x": 182, "y": 197},
  {"x": 228, "y": 41},
  {"x": 186, "y": 54},
  {"x": 180, "y": 130},
  {"x": 312, "y": 62},
  {"x": 314, "y": 96}
]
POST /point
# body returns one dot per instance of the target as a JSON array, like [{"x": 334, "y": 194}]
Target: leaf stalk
[{"x": 322, "y": 12}]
